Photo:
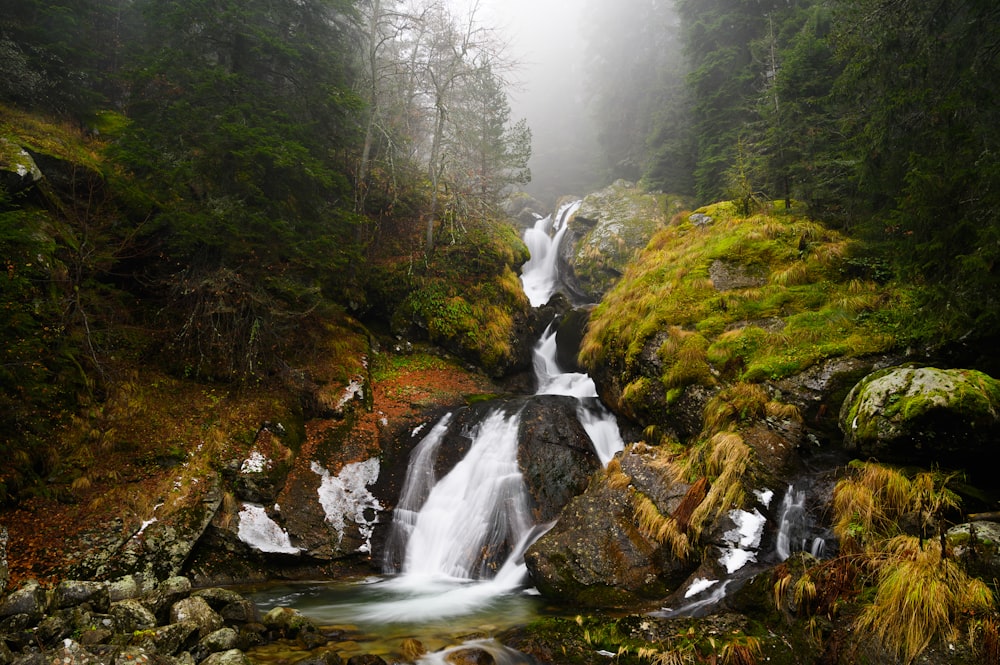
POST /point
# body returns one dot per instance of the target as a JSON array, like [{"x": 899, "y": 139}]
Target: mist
[{"x": 545, "y": 40}]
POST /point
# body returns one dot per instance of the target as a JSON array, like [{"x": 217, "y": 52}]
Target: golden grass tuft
[
  {"x": 791, "y": 275},
  {"x": 984, "y": 638},
  {"x": 725, "y": 459},
  {"x": 869, "y": 503},
  {"x": 658, "y": 527},
  {"x": 744, "y": 650},
  {"x": 920, "y": 596}
]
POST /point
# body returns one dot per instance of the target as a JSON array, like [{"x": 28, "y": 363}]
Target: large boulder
[
  {"x": 554, "y": 453},
  {"x": 923, "y": 414},
  {"x": 18, "y": 171},
  {"x": 611, "y": 226},
  {"x": 596, "y": 555}
]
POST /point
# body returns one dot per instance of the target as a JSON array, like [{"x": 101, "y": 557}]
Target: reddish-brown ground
[{"x": 44, "y": 531}]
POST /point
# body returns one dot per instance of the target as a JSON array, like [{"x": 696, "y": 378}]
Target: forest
[{"x": 232, "y": 176}]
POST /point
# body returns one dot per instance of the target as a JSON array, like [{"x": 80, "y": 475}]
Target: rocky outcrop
[
  {"x": 610, "y": 227},
  {"x": 597, "y": 556},
  {"x": 160, "y": 547},
  {"x": 18, "y": 170},
  {"x": 923, "y": 414},
  {"x": 554, "y": 453}
]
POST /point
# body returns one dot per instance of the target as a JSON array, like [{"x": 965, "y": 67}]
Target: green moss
[{"x": 804, "y": 309}]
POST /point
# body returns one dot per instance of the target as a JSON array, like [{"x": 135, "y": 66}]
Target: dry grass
[
  {"x": 741, "y": 651},
  {"x": 920, "y": 596},
  {"x": 658, "y": 527},
  {"x": 724, "y": 460}
]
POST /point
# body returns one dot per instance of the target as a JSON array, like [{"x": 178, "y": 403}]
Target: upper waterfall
[{"x": 540, "y": 274}]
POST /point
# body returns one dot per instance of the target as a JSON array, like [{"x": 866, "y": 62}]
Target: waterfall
[
  {"x": 540, "y": 274},
  {"x": 470, "y": 515},
  {"x": 795, "y": 527},
  {"x": 475, "y": 523}
]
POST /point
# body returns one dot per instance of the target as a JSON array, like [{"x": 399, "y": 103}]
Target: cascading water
[
  {"x": 456, "y": 544},
  {"x": 540, "y": 274},
  {"x": 796, "y": 532}
]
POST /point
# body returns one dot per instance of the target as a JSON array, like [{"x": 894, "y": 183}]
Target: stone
[
  {"x": 173, "y": 638},
  {"x": 923, "y": 414},
  {"x": 4, "y": 568},
  {"x": 595, "y": 556},
  {"x": 230, "y": 657},
  {"x": 977, "y": 546},
  {"x": 198, "y": 611},
  {"x": 611, "y": 226},
  {"x": 72, "y": 653},
  {"x": 29, "y": 599},
  {"x": 470, "y": 656},
  {"x": 70, "y": 593},
  {"x": 287, "y": 622},
  {"x": 131, "y": 615},
  {"x": 366, "y": 659}
]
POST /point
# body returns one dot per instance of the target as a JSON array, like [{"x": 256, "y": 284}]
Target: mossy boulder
[
  {"x": 611, "y": 226},
  {"x": 923, "y": 414}
]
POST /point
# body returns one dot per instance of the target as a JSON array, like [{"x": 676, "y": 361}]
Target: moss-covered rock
[
  {"x": 910, "y": 413},
  {"x": 611, "y": 226},
  {"x": 598, "y": 554},
  {"x": 717, "y": 298}
]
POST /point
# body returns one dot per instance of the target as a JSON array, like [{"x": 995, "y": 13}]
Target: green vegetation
[
  {"x": 642, "y": 641},
  {"x": 742, "y": 299}
]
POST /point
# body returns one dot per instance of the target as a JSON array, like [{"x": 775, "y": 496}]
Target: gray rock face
[
  {"x": 231, "y": 657},
  {"x": 30, "y": 599},
  {"x": 923, "y": 413},
  {"x": 131, "y": 615},
  {"x": 554, "y": 454}
]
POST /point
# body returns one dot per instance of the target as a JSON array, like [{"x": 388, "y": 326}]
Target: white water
[
  {"x": 473, "y": 511},
  {"x": 540, "y": 274},
  {"x": 793, "y": 527}
]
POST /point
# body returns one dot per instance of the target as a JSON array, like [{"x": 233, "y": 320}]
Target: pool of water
[{"x": 384, "y": 615}]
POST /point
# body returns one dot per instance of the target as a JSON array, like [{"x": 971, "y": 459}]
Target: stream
[
  {"x": 453, "y": 561},
  {"x": 454, "y": 558}
]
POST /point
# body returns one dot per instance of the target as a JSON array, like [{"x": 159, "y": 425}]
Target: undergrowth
[{"x": 895, "y": 559}]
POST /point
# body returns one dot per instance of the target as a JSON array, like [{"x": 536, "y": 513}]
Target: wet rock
[
  {"x": 197, "y": 611},
  {"x": 596, "y": 556},
  {"x": 175, "y": 638},
  {"x": 233, "y": 607},
  {"x": 554, "y": 453},
  {"x": 131, "y": 615},
  {"x": 366, "y": 659},
  {"x": 223, "y": 639},
  {"x": 30, "y": 599},
  {"x": 287, "y": 622},
  {"x": 923, "y": 413},
  {"x": 470, "y": 656},
  {"x": 70, "y": 593},
  {"x": 231, "y": 657}
]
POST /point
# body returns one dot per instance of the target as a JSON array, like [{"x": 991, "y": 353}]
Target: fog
[{"x": 545, "y": 40}]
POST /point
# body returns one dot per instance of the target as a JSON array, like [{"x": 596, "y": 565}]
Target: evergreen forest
[{"x": 227, "y": 182}]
